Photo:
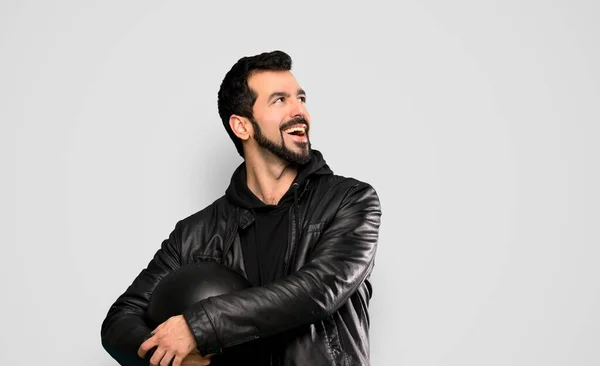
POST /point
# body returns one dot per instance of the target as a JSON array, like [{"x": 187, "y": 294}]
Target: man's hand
[
  {"x": 195, "y": 359},
  {"x": 173, "y": 341}
]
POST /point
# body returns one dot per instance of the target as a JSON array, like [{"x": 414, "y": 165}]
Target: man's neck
[{"x": 269, "y": 179}]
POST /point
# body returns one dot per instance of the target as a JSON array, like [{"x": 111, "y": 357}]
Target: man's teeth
[{"x": 295, "y": 129}]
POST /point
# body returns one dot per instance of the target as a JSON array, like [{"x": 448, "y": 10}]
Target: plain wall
[{"x": 476, "y": 121}]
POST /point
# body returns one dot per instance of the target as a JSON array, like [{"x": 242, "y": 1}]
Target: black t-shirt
[{"x": 264, "y": 244}]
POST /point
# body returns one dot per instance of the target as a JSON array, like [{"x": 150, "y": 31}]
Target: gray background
[{"x": 476, "y": 121}]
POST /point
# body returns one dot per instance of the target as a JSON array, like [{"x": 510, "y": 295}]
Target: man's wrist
[{"x": 202, "y": 329}]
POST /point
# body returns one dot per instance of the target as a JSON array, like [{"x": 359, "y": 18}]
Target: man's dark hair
[{"x": 236, "y": 97}]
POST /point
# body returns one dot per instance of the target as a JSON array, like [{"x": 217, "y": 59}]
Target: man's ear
[{"x": 240, "y": 126}]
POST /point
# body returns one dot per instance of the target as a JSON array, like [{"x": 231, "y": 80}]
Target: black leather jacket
[{"x": 320, "y": 308}]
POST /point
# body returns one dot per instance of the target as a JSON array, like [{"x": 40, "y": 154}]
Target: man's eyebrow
[
  {"x": 284, "y": 94},
  {"x": 278, "y": 95}
]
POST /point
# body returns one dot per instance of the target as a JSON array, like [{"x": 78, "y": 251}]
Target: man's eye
[
  {"x": 279, "y": 100},
  {"x": 302, "y": 99}
]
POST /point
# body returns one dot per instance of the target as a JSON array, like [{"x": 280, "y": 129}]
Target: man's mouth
[{"x": 298, "y": 130}]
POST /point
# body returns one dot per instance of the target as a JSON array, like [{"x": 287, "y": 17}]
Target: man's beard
[{"x": 280, "y": 150}]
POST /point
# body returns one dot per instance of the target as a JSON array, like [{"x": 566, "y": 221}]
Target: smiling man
[{"x": 304, "y": 237}]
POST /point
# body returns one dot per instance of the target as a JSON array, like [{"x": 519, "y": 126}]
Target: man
[{"x": 304, "y": 237}]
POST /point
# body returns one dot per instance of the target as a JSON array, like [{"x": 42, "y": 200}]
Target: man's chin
[
  {"x": 301, "y": 158},
  {"x": 297, "y": 153},
  {"x": 303, "y": 152}
]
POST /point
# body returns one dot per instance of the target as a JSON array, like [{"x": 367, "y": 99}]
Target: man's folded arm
[{"x": 340, "y": 262}]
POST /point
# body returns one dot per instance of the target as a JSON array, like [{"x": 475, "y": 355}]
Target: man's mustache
[{"x": 293, "y": 122}]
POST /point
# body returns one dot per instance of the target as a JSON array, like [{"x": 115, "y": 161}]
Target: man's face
[{"x": 281, "y": 121}]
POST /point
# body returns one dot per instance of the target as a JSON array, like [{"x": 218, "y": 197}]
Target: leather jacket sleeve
[
  {"x": 124, "y": 328},
  {"x": 339, "y": 263}
]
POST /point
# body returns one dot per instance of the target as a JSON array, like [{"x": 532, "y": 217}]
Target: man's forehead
[{"x": 270, "y": 81}]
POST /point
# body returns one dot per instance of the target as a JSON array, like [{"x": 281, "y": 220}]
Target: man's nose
[{"x": 298, "y": 109}]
